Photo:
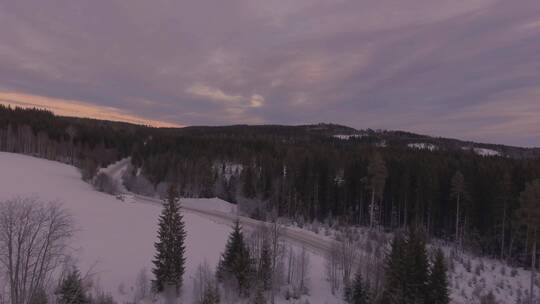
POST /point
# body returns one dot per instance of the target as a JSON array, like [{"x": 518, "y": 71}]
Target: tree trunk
[
  {"x": 405, "y": 215},
  {"x": 533, "y": 268},
  {"x": 457, "y": 220},
  {"x": 502, "y": 231},
  {"x": 372, "y": 209},
  {"x": 170, "y": 295}
]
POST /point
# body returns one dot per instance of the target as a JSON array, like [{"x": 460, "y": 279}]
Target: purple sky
[{"x": 460, "y": 68}]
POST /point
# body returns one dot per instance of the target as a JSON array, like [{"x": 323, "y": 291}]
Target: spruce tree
[
  {"x": 71, "y": 290},
  {"x": 169, "y": 261},
  {"x": 357, "y": 292},
  {"x": 235, "y": 262},
  {"x": 458, "y": 192},
  {"x": 377, "y": 174},
  {"x": 259, "y": 296},
  {"x": 530, "y": 214},
  {"x": 438, "y": 281},
  {"x": 395, "y": 273},
  {"x": 416, "y": 268}
]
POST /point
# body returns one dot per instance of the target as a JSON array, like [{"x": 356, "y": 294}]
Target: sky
[{"x": 466, "y": 69}]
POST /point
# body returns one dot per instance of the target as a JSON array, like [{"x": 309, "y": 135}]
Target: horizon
[
  {"x": 464, "y": 70},
  {"x": 165, "y": 126}
]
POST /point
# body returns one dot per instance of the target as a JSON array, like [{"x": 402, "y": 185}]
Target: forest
[{"x": 304, "y": 173}]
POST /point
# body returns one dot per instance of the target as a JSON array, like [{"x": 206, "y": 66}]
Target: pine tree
[
  {"x": 248, "y": 189},
  {"x": 71, "y": 290},
  {"x": 169, "y": 261},
  {"x": 357, "y": 292},
  {"x": 395, "y": 273},
  {"x": 377, "y": 174},
  {"x": 458, "y": 192},
  {"x": 235, "y": 262},
  {"x": 438, "y": 281},
  {"x": 416, "y": 268},
  {"x": 265, "y": 266},
  {"x": 530, "y": 213},
  {"x": 259, "y": 296}
]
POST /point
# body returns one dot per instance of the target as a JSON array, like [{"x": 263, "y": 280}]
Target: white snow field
[{"x": 115, "y": 239}]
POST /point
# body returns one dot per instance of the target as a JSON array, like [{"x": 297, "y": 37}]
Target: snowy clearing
[
  {"x": 115, "y": 239},
  {"x": 423, "y": 146}
]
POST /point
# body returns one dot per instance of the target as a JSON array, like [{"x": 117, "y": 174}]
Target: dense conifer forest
[{"x": 306, "y": 173}]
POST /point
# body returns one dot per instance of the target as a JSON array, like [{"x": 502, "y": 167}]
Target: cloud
[
  {"x": 238, "y": 102},
  {"x": 256, "y": 101},
  {"x": 206, "y": 92},
  {"x": 76, "y": 108},
  {"x": 418, "y": 65}
]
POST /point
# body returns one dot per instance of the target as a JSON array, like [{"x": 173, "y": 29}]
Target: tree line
[
  {"x": 453, "y": 195},
  {"x": 303, "y": 173}
]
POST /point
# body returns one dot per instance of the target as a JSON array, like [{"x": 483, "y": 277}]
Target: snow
[
  {"x": 115, "y": 239},
  {"x": 486, "y": 152},
  {"x": 483, "y": 151},
  {"x": 348, "y": 136},
  {"x": 423, "y": 146}
]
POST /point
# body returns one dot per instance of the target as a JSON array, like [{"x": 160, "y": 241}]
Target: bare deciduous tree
[
  {"x": 205, "y": 286},
  {"x": 142, "y": 286},
  {"x": 348, "y": 256},
  {"x": 333, "y": 267},
  {"x": 33, "y": 243}
]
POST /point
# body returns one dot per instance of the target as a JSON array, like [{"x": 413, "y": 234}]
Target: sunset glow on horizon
[{"x": 75, "y": 108}]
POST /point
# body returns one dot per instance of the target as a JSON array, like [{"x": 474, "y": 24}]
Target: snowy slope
[{"x": 115, "y": 238}]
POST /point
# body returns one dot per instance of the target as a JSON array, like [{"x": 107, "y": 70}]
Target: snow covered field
[{"x": 115, "y": 239}]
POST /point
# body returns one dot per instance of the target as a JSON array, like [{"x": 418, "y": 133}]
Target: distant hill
[{"x": 390, "y": 138}]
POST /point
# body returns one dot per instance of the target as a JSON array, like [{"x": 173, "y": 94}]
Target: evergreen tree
[
  {"x": 438, "y": 281},
  {"x": 377, "y": 174},
  {"x": 458, "y": 192},
  {"x": 71, "y": 290},
  {"x": 530, "y": 213},
  {"x": 169, "y": 261},
  {"x": 357, "y": 292},
  {"x": 416, "y": 268},
  {"x": 248, "y": 189},
  {"x": 235, "y": 262},
  {"x": 259, "y": 296},
  {"x": 395, "y": 273}
]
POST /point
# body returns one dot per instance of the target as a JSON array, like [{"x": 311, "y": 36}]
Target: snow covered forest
[{"x": 398, "y": 224}]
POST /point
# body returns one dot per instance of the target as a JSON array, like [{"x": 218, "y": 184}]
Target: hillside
[{"x": 115, "y": 239}]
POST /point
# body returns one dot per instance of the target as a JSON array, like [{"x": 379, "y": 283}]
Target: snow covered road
[{"x": 313, "y": 242}]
